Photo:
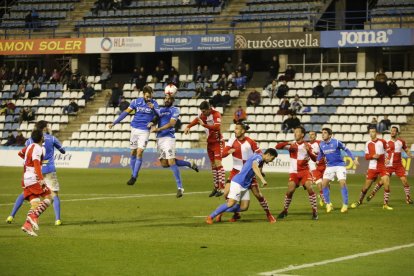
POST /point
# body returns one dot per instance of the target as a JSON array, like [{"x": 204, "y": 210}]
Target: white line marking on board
[{"x": 340, "y": 259}]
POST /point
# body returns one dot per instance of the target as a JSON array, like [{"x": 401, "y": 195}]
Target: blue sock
[
  {"x": 344, "y": 192},
  {"x": 17, "y": 205},
  {"x": 182, "y": 163},
  {"x": 56, "y": 207},
  {"x": 234, "y": 208},
  {"x": 177, "y": 176},
  {"x": 133, "y": 159},
  {"x": 326, "y": 195},
  {"x": 137, "y": 167},
  {"x": 222, "y": 208}
]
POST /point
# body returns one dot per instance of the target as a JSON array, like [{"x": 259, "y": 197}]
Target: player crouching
[
  {"x": 239, "y": 197},
  {"x": 33, "y": 183}
]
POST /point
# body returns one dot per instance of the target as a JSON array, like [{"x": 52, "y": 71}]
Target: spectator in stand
[
  {"x": 44, "y": 77},
  {"x": 241, "y": 66},
  {"x": 253, "y": 99},
  {"x": 175, "y": 80},
  {"x": 271, "y": 89},
  {"x": 240, "y": 81},
  {"x": 20, "y": 140},
  {"x": 317, "y": 91},
  {"x": 20, "y": 74},
  {"x": 27, "y": 115},
  {"x": 380, "y": 84},
  {"x": 239, "y": 115},
  {"x": 26, "y": 76},
  {"x": 71, "y": 108},
  {"x": 134, "y": 76},
  {"x": 226, "y": 98},
  {"x": 105, "y": 77},
  {"x": 11, "y": 107},
  {"x": 222, "y": 82},
  {"x": 284, "y": 107},
  {"x": 162, "y": 67},
  {"x": 67, "y": 76},
  {"x": 123, "y": 105},
  {"x": 83, "y": 82},
  {"x": 173, "y": 72},
  {"x": 274, "y": 68},
  {"x": 198, "y": 74},
  {"x": 88, "y": 92},
  {"x": 116, "y": 94},
  {"x": 248, "y": 73},
  {"x": 217, "y": 100},
  {"x": 35, "y": 19},
  {"x": 3, "y": 107},
  {"x": 393, "y": 89},
  {"x": 28, "y": 20},
  {"x": 282, "y": 90},
  {"x": 35, "y": 75},
  {"x": 290, "y": 123},
  {"x": 290, "y": 73},
  {"x": 74, "y": 83},
  {"x": 11, "y": 140},
  {"x": 296, "y": 105},
  {"x": 231, "y": 81},
  {"x": 55, "y": 78},
  {"x": 208, "y": 89},
  {"x": 228, "y": 66},
  {"x": 158, "y": 75},
  {"x": 35, "y": 92},
  {"x": 206, "y": 74},
  {"x": 141, "y": 79},
  {"x": 373, "y": 124},
  {"x": 20, "y": 93},
  {"x": 384, "y": 125},
  {"x": 328, "y": 89}
]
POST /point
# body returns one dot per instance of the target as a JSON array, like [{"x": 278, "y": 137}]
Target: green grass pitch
[{"x": 110, "y": 228}]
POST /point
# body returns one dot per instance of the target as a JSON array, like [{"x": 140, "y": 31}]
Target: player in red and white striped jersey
[
  {"x": 34, "y": 186},
  {"x": 317, "y": 168},
  {"x": 210, "y": 119},
  {"x": 242, "y": 148},
  {"x": 300, "y": 174},
  {"x": 376, "y": 153},
  {"x": 396, "y": 146}
]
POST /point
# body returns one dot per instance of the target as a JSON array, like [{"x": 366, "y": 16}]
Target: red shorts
[
  {"x": 35, "y": 191},
  {"x": 373, "y": 174},
  {"x": 398, "y": 170},
  {"x": 317, "y": 174},
  {"x": 233, "y": 172},
  {"x": 214, "y": 151},
  {"x": 301, "y": 177}
]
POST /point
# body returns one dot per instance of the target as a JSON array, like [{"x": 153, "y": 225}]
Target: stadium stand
[{"x": 393, "y": 14}]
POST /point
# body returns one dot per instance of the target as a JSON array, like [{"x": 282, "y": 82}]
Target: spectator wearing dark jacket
[
  {"x": 71, "y": 108},
  {"x": 290, "y": 123},
  {"x": 226, "y": 98},
  {"x": 328, "y": 89},
  {"x": 254, "y": 98},
  {"x": 35, "y": 92},
  {"x": 20, "y": 140},
  {"x": 317, "y": 91},
  {"x": 274, "y": 68},
  {"x": 74, "y": 83},
  {"x": 248, "y": 73},
  {"x": 284, "y": 107},
  {"x": 384, "y": 125},
  {"x": 380, "y": 84},
  {"x": 141, "y": 79},
  {"x": 222, "y": 82},
  {"x": 393, "y": 89},
  {"x": 217, "y": 100},
  {"x": 290, "y": 73},
  {"x": 88, "y": 92},
  {"x": 115, "y": 95},
  {"x": 282, "y": 90},
  {"x": 11, "y": 140}
]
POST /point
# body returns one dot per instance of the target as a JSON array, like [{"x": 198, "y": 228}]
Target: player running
[
  {"x": 146, "y": 108},
  {"x": 33, "y": 183},
  {"x": 210, "y": 119},
  {"x": 166, "y": 141},
  {"x": 242, "y": 148},
  {"x": 239, "y": 197},
  {"x": 299, "y": 173},
  {"x": 396, "y": 146},
  {"x": 317, "y": 168},
  {"x": 330, "y": 149},
  {"x": 48, "y": 171},
  {"x": 375, "y": 152}
]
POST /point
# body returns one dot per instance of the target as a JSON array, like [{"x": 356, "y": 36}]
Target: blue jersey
[
  {"x": 143, "y": 113},
  {"x": 246, "y": 174},
  {"x": 166, "y": 114},
  {"x": 331, "y": 150},
  {"x": 51, "y": 142}
]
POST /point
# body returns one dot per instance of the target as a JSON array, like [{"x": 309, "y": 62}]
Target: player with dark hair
[
  {"x": 299, "y": 173},
  {"x": 239, "y": 197},
  {"x": 210, "y": 119}
]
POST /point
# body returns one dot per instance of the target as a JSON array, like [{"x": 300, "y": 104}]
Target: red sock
[
  {"x": 265, "y": 206},
  {"x": 215, "y": 177},
  {"x": 221, "y": 177},
  {"x": 312, "y": 201},
  {"x": 288, "y": 200},
  {"x": 376, "y": 189},
  {"x": 362, "y": 195},
  {"x": 41, "y": 208}
]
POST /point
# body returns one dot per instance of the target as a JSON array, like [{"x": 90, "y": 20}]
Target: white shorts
[
  {"x": 237, "y": 192},
  {"x": 51, "y": 181},
  {"x": 166, "y": 147},
  {"x": 338, "y": 171},
  {"x": 139, "y": 138}
]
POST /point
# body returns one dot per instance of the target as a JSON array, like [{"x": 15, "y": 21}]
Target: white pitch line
[{"x": 345, "y": 258}]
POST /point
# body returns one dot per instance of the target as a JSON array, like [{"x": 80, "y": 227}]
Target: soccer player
[
  {"x": 166, "y": 141},
  {"x": 48, "y": 171},
  {"x": 330, "y": 149},
  {"x": 299, "y": 173},
  {"x": 239, "y": 197},
  {"x": 33, "y": 183},
  {"x": 210, "y": 119},
  {"x": 242, "y": 148},
  {"x": 146, "y": 108},
  {"x": 317, "y": 168},
  {"x": 375, "y": 152},
  {"x": 396, "y": 146}
]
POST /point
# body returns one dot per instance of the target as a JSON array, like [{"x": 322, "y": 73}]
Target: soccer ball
[{"x": 170, "y": 89}]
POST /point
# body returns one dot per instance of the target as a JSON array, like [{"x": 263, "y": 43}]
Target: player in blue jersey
[
  {"x": 166, "y": 141},
  {"x": 238, "y": 198},
  {"x": 330, "y": 149},
  {"x": 146, "y": 108},
  {"x": 48, "y": 171}
]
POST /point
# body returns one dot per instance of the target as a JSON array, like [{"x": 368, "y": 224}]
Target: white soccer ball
[{"x": 170, "y": 89}]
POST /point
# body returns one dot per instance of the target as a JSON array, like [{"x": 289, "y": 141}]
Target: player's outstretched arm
[
  {"x": 258, "y": 174},
  {"x": 282, "y": 145},
  {"x": 58, "y": 145},
  {"x": 120, "y": 118},
  {"x": 190, "y": 125}
]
